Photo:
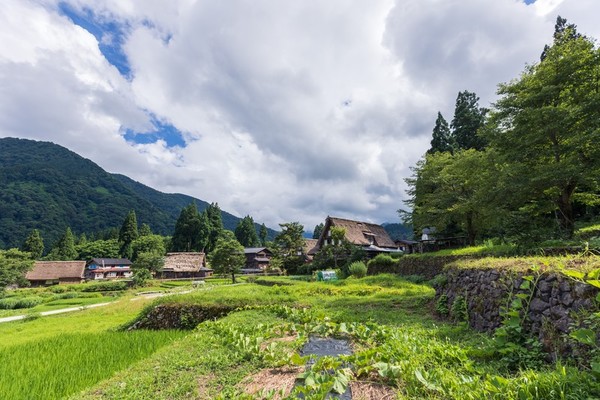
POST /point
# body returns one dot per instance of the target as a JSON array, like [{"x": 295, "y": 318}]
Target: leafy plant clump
[
  {"x": 358, "y": 269},
  {"x": 12, "y": 303}
]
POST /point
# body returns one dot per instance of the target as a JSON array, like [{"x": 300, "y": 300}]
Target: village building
[
  {"x": 185, "y": 265},
  {"x": 407, "y": 246},
  {"x": 56, "y": 272},
  {"x": 372, "y": 238},
  {"x": 310, "y": 249},
  {"x": 257, "y": 259},
  {"x": 108, "y": 268}
]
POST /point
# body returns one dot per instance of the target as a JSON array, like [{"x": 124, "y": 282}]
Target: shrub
[
  {"x": 106, "y": 286},
  {"x": 15, "y": 303},
  {"x": 382, "y": 263},
  {"x": 358, "y": 269}
]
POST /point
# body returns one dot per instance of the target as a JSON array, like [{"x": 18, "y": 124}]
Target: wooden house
[
  {"x": 56, "y": 272},
  {"x": 185, "y": 265},
  {"x": 257, "y": 258},
  {"x": 372, "y": 238},
  {"x": 108, "y": 268}
]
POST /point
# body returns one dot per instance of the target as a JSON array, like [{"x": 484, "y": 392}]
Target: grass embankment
[{"x": 397, "y": 344}]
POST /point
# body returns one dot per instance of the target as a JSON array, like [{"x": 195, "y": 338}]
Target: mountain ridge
[{"x": 48, "y": 187}]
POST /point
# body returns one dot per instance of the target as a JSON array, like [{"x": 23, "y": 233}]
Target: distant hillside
[
  {"x": 47, "y": 187},
  {"x": 398, "y": 231}
]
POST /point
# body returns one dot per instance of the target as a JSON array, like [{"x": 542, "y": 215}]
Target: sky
[{"x": 283, "y": 110}]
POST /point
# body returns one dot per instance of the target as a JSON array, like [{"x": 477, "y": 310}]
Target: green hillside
[{"x": 48, "y": 187}]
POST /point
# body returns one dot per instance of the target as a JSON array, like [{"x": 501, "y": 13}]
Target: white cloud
[{"x": 291, "y": 111}]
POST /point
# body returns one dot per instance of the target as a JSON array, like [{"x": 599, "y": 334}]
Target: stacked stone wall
[{"x": 556, "y": 303}]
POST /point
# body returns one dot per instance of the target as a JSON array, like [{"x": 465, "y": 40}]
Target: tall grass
[{"x": 66, "y": 364}]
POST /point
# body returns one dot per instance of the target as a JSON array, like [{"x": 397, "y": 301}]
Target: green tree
[
  {"x": 228, "y": 257},
  {"x": 98, "y": 249},
  {"x": 442, "y": 138},
  {"x": 148, "y": 244},
  {"x": 545, "y": 130},
  {"x": 191, "y": 230},
  {"x": 150, "y": 261},
  {"x": 145, "y": 230},
  {"x": 64, "y": 250},
  {"x": 215, "y": 222},
  {"x": 146, "y": 265},
  {"x": 34, "y": 245},
  {"x": 453, "y": 192},
  {"x": 289, "y": 244},
  {"x": 13, "y": 266},
  {"x": 318, "y": 230},
  {"x": 127, "y": 234},
  {"x": 245, "y": 232},
  {"x": 468, "y": 119},
  {"x": 262, "y": 235}
]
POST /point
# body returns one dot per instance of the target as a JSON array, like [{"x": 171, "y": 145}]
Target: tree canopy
[
  {"x": 13, "y": 266},
  {"x": 34, "y": 244},
  {"x": 228, "y": 256},
  {"x": 245, "y": 232},
  {"x": 528, "y": 165}
]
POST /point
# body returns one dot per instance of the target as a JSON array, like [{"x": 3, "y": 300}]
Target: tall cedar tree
[
  {"x": 468, "y": 118},
  {"x": 288, "y": 246},
  {"x": 545, "y": 129},
  {"x": 65, "y": 248},
  {"x": 145, "y": 230},
  {"x": 442, "y": 138},
  {"x": 34, "y": 245},
  {"x": 187, "y": 234},
  {"x": 318, "y": 230},
  {"x": 245, "y": 232},
  {"x": 213, "y": 212},
  {"x": 262, "y": 235},
  {"x": 127, "y": 234}
]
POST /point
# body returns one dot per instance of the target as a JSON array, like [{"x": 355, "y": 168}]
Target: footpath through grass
[{"x": 399, "y": 348}]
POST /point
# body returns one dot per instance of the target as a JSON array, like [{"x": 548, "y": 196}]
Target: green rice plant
[{"x": 66, "y": 364}]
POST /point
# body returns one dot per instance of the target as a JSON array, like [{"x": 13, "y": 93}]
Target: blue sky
[{"x": 111, "y": 36}]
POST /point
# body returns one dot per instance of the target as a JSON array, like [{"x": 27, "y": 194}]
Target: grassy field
[{"x": 400, "y": 349}]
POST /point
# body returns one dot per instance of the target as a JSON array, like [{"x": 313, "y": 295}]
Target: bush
[
  {"x": 382, "y": 263},
  {"x": 24, "y": 302},
  {"x": 358, "y": 269},
  {"x": 106, "y": 286}
]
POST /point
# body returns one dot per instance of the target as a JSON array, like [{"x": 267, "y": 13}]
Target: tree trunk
[
  {"x": 232, "y": 277},
  {"x": 565, "y": 211},
  {"x": 470, "y": 230}
]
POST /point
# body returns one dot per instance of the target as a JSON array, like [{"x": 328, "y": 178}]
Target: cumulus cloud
[{"x": 290, "y": 111}]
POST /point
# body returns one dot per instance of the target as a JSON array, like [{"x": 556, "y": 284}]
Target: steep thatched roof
[
  {"x": 53, "y": 270},
  {"x": 185, "y": 262},
  {"x": 310, "y": 246},
  {"x": 359, "y": 233}
]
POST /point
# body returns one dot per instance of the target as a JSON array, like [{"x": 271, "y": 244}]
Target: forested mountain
[
  {"x": 48, "y": 187},
  {"x": 398, "y": 231}
]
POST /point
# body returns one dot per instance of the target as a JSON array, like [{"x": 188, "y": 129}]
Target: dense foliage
[{"x": 531, "y": 169}]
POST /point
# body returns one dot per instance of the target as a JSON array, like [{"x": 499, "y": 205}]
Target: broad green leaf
[
  {"x": 594, "y": 282},
  {"x": 585, "y": 336},
  {"x": 573, "y": 274}
]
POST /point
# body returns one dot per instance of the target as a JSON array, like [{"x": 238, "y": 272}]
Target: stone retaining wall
[{"x": 554, "y": 307}]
